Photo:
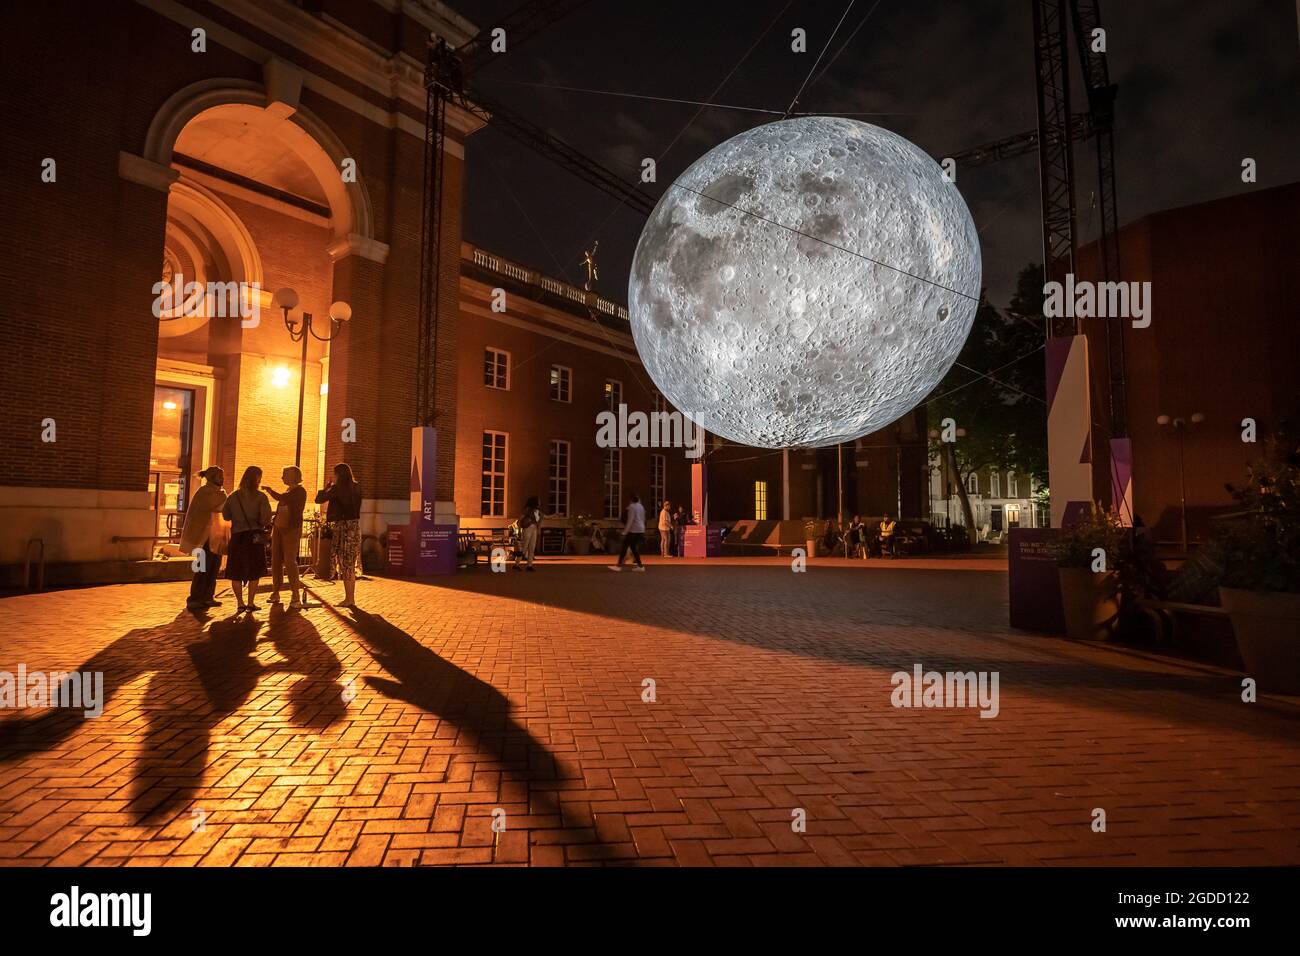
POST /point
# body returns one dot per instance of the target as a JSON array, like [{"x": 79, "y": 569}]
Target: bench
[{"x": 1165, "y": 614}]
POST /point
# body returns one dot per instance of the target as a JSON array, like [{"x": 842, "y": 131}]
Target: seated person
[
  {"x": 887, "y": 542},
  {"x": 831, "y": 536}
]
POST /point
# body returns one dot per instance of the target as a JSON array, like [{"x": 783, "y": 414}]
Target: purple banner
[
  {"x": 437, "y": 549},
  {"x": 703, "y": 541},
  {"x": 1033, "y": 581}
]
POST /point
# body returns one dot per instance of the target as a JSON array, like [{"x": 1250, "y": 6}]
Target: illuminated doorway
[{"x": 170, "y": 455}]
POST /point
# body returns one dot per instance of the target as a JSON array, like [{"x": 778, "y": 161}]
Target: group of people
[
  {"x": 242, "y": 527},
  {"x": 672, "y": 533},
  {"x": 858, "y": 538}
]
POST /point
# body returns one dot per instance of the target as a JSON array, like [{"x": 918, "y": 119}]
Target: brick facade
[{"x": 81, "y": 254}]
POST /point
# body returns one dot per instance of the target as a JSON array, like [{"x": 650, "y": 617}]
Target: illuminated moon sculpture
[{"x": 804, "y": 283}]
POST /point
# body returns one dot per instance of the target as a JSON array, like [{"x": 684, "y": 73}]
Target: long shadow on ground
[{"x": 480, "y": 713}]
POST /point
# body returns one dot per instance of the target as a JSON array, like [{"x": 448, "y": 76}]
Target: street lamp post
[
  {"x": 1180, "y": 427},
  {"x": 340, "y": 313}
]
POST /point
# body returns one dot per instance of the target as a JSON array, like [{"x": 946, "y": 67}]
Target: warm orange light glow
[
  {"x": 170, "y": 406},
  {"x": 280, "y": 376}
]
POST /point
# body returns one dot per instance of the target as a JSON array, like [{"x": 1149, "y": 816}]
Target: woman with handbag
[
  {"x": 343, "y": 519},
  {"x": 249, "y": 514}
]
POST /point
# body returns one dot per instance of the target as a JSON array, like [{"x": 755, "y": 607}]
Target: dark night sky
[{"x": 1201, "y": 85}]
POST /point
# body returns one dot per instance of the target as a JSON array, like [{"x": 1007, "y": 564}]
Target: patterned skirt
[{"x": 347, "y": 545}]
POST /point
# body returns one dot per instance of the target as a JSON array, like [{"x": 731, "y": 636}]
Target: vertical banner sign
[
  {"x": 1033, "y": 580},
  {"x": 1121, "y": 478},
  {"x": 695, "y": 543},
  {"x": 431, "y": 547},
  {"x": 1069, "y": 429}
]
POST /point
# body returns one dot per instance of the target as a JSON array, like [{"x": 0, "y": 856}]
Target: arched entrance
[{"x": 259, "y": 204}]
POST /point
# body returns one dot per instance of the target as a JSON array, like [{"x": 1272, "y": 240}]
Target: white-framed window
[
  {"x": 496, "y": 368},
  {"x": 561, "y": 383},
  {"x": 659, "y": 405},
  {"x": 760, "y": 501},
  {"x": 973, "y": 483},
  {"x": 995, "y": 484},
  {"x": 495, "y": 451},
  {"x": 613, "y": 482},
  {"x": 658, "y": 474},
  {"x": 557, "y": 480},
  {"x": 1013, "y": 485},
  {"x": 613, "y": 394}
]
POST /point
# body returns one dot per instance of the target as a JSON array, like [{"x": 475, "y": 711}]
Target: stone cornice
[
  {"x": 137, "y": 169},
  {"x": 396, "y": 78},
  {"x": 354, "y": 245}
]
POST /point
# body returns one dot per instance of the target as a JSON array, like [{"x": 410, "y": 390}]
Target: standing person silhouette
[
  {"x": 249, "y": 514},
  {"x": 633, "y": 532},
  {"x": 201, "y": 520},
  {"x": 666, "y": 525},
  {"x": 344, "y": 519},
  {"x": 286, "y": 533},
  {"x": 679, "y": 532},
  {"x": 529, "y": 523}
]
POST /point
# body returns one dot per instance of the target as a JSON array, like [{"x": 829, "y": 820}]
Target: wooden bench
[{"x": 1165, "y": 615}]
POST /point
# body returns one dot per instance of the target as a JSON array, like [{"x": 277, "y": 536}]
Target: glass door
[{"x": 170, "y": 453}]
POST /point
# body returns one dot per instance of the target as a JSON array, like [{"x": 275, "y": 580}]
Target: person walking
[
  {"x": 202, "y": 529},
  {"x": 666, "y": 530},
  {"x": 633, "y": 532},
  {"x": 249, "y": 514},
  {"x": 286, "y": 534},
  {"x": 529, "y": 522},
  {"x": 343, "y": 516}
]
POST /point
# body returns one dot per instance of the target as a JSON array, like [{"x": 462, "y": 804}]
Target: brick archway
[{"x": 292, "y": 124}]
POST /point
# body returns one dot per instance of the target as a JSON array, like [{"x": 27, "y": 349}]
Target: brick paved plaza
[{"x": 522, "y": 693}]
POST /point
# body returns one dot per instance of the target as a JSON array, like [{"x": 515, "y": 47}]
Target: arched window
[
  {"x": 995, "y": 484},
  {"x": 973, "y": 483},
  {"x": 1013, "y": 485}
]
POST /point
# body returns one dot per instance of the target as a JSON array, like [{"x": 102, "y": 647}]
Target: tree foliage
[{"x": 996, "y": 390}]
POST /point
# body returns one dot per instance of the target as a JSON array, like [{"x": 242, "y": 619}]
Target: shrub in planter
[
  {"x": 580, "y": 528},
  {"x": 1258, "y": 549},
  {"x": 1088, "y": 556}
]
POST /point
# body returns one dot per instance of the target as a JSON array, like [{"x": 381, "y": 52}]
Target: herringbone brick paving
[{"x": 398, "y": 734}]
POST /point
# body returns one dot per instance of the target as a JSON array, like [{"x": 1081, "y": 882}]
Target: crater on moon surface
[{"x": 804, "y": 283}]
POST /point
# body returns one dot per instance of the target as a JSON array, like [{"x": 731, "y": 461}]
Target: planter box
[
  {"x": 1267, "y": 627},
  {"x": 1089, "y": 602},
  {"x": 580, "y": 545}
]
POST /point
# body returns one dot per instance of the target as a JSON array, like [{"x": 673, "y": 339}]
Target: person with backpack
[{"x": 529, "y": 522}]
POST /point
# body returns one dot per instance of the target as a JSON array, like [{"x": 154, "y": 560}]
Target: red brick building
[
  {"x": 531, "y": 381},
  {"x": 259, "y": 146},
  {"x": 252, "y": 143},
  {"x": 1224, "y": 342}
]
